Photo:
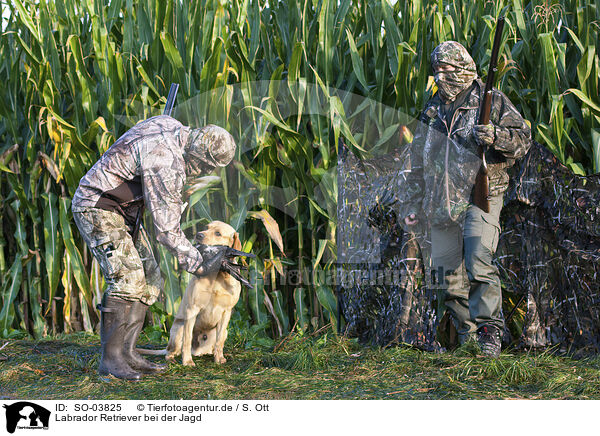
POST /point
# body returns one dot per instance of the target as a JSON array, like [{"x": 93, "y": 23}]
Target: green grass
[{"x": 310, "y": 368}]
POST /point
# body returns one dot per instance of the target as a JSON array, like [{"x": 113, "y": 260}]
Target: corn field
[{"x": 75, "y": 75}]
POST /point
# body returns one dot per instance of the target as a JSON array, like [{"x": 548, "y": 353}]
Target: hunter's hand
[
  {"x": 484, "y": 134},
  {"x": 411, "y": 220}
]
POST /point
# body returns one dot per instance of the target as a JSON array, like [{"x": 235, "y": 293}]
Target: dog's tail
[{"x": 162, "y": 352}]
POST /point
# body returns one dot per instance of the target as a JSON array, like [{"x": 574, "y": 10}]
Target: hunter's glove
[{"x": 484, "y": 134}]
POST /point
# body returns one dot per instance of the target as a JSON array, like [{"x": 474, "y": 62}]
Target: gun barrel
[
  {"x": 171, "y": 99},
  {"x": 484, "y": 114},
  {"x": 481, "y": 190}
]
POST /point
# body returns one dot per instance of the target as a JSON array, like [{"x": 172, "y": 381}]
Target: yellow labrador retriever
[
  {"x": 207, "y": 304},
  {"x": 200, "y": 325}
]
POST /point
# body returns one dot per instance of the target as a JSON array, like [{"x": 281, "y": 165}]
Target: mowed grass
[{"x": 326, "y": 367}]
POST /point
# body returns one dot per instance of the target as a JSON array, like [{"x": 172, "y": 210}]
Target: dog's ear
[{"x": 237, "y": 245}]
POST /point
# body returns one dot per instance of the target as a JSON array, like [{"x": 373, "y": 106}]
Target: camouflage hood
[
  {"x": 451, "y": 83},
  {"x": 207, "y": 148}
]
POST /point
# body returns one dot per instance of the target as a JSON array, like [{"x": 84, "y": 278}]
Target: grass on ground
[{"x": 302, "y": 367}]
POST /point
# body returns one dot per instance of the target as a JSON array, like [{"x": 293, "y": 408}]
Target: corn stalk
[{"x": 75, "y": 75}]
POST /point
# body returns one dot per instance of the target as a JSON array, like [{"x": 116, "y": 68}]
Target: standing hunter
[
  {"x": 147, "y": 167},
  {"x": 464, "y": 251}
]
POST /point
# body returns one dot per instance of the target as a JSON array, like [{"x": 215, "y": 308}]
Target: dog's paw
[
  {"x": 220, "y": 359},
  {"x": 189, "y": 363}
]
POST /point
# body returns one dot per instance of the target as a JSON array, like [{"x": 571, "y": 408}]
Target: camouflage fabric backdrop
[
  {"x": 548, "y": 257},
  {"x": 380, "y": 268},
  {"x": 550, "y": 250}
]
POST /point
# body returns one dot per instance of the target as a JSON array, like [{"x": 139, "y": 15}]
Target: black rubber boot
[
  {"x": 114, "y": 312},
  {"x": 135, "y": 322}
]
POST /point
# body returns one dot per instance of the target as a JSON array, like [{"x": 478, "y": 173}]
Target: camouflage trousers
[
  {"x": 470, "y": 289},
  {"x": 130, "y": 270}
]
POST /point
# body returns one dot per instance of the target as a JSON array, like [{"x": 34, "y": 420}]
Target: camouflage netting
[
  {"x": 379, "y": 267},
  {"x": 549, "y": 251},
  {"x": 548, "y": 254}
]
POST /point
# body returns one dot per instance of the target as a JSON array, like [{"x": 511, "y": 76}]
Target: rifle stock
[
  {"x": 482, "y": 182},
  {"x": 482, "y": 189}
]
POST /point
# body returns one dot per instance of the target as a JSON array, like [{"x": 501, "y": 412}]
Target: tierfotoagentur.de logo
[{"x": 26, "y": 416}]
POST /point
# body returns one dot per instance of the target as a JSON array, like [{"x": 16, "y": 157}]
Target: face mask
[{"x": 450, "y": 84}]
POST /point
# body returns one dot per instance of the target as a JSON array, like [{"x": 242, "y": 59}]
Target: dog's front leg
[
  {"x": 186, "y": 345},
  {"x": 221, "y": 337},
  {"x": 175, "y": 339}
]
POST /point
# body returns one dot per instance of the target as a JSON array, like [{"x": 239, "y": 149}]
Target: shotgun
[
  {"x": 167, "y": 111},
  {"x": 482, "y": 182}
]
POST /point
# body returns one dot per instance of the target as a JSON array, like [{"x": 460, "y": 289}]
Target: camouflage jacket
[
  {"x": 152, "y": 152},
  {"x": 427, "y": 157}
]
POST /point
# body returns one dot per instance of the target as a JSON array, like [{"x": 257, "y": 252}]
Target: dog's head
[{"x": 219, "y": 233}]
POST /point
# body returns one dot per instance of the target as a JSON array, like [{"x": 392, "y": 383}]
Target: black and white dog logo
[{"x": 26, "y": 415}]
